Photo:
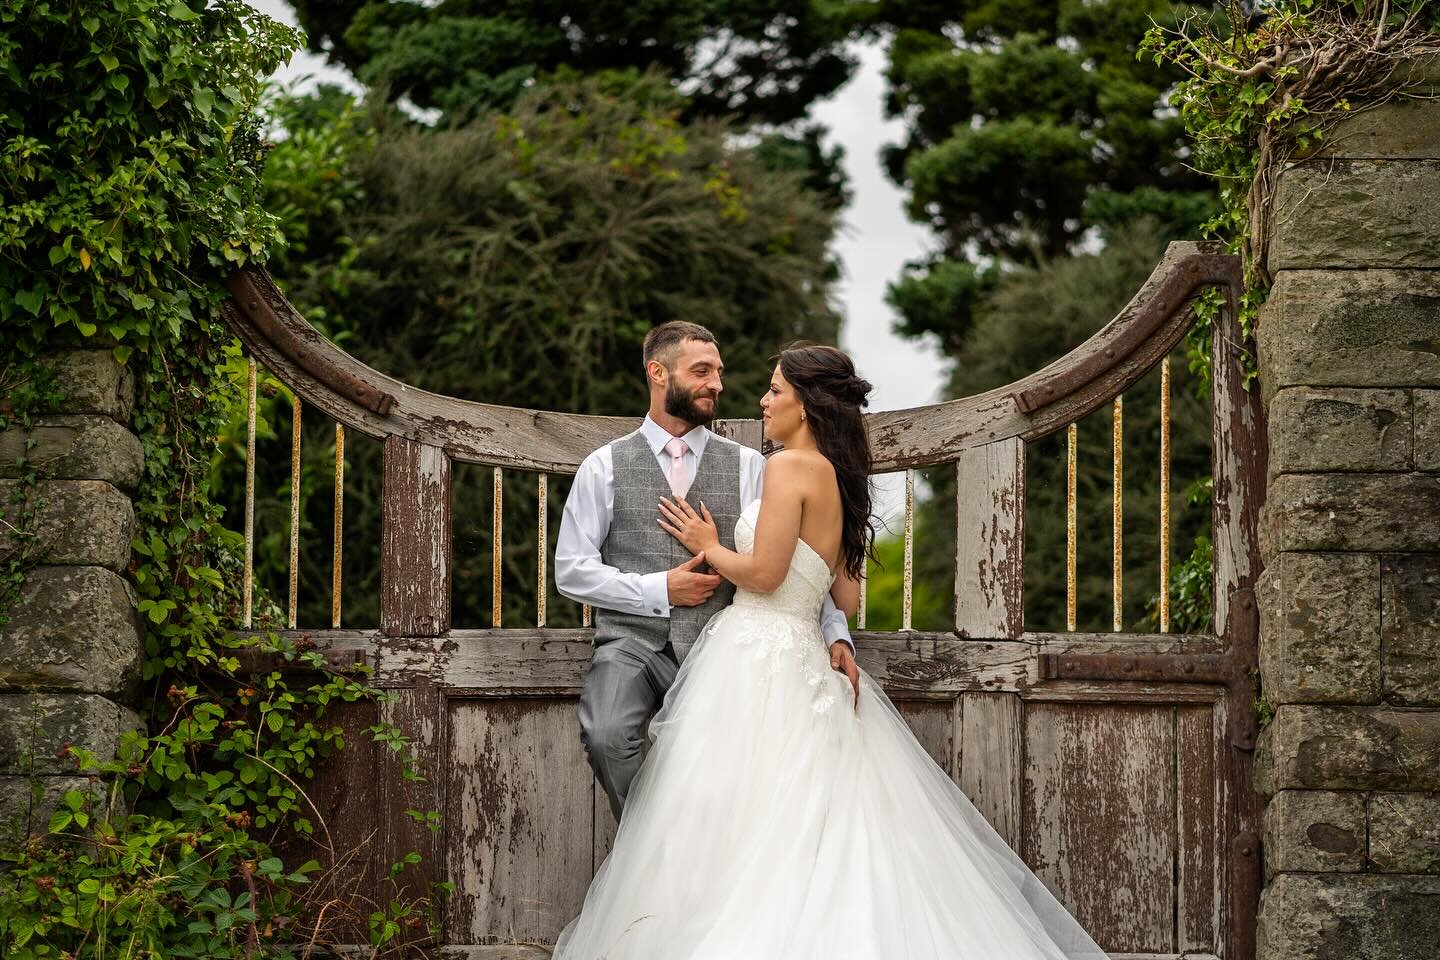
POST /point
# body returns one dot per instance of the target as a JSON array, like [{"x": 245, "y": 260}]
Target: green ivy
[
  {"x": 1265, "y": 88},
  {"x": 131, "y": 159}
]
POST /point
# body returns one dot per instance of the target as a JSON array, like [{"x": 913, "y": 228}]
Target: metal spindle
[
  {"x": 1072, "y": 439},
  {"x": 497, "y": 548},
  {"x": 293, "y": 605},
  {"x": 1117, "y": 513},
  {"x": 860, "y": 610},
  {"x": 249, "y": 578},
  {"x": 909, "y": 550},
  {"x": 339, "y": 524},
  {"x": 542, "y": 540},
  {"x": 1165, "y": 495}
]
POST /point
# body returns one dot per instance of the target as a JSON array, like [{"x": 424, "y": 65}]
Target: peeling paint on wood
[
  {"x": 415, "y": 540},
  {"x": 1099, "y": 814},
  {"x": 520, "y": 800},
  {"x": 990, "y": 540}
]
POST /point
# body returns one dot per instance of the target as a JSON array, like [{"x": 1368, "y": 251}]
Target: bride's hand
[{"x": 696, "y": 531}]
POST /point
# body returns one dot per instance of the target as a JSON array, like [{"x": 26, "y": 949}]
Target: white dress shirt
[{"x": 582, "y": 576}]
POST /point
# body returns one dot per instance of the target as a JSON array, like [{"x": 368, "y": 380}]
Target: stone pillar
[
  {"x": 70, "y": 654},
  {"x": 1349, "y": 345}
]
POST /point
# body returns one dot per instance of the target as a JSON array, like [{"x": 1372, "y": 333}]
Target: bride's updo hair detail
[{"x": 832, "y": 394}]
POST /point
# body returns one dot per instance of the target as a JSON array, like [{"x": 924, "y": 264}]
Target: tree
[
  {"x": 761, "y": 61},
  {"x": 1030, "y": 122},
  {"x": 520, "y": 259}
]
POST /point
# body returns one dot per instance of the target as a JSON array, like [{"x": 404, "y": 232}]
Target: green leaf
[
  {"x": 109, "y": 61},
  {"x": 32, "y": 299},
  {"x": 182, "y": 12}
]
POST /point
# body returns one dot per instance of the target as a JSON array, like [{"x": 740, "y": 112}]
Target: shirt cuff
[
  {"x": 837, "y": 631},
  {"x": 655, "y": 590}
]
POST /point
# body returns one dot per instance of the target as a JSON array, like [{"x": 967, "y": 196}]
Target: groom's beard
[{"x": 680, "y": 404}]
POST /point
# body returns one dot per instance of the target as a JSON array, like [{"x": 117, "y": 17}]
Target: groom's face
[{"x": 692, "y": 393}]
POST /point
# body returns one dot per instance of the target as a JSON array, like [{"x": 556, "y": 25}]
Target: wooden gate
[{"x": 1117, "y": 764}]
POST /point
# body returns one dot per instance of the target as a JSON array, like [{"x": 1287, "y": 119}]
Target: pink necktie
[{"x": 679, "y": 482}]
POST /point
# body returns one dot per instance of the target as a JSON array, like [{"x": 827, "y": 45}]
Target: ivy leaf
[{"x": 31, "y": 300}]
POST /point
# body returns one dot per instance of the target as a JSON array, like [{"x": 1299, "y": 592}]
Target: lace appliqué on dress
[{"x": 783, "y": 626}]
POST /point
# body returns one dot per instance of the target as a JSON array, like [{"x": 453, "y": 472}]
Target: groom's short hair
[{"x": 663, "y": 342}]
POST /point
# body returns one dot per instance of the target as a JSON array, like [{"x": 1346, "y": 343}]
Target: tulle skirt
[{"x": 773, "y": 818}]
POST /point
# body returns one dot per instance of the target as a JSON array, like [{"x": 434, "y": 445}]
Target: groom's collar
[{"x": 657, "y": 436}]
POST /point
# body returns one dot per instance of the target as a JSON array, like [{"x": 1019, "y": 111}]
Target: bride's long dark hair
[{"x": 832, "y": 394}]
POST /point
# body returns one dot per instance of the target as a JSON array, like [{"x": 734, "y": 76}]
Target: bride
[{"x": 785, "y": 810}]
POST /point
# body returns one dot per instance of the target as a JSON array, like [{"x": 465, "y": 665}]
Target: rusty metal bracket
[
  {"x": 1233, "y": 668},
  {"x": 1147, "y": 667}
]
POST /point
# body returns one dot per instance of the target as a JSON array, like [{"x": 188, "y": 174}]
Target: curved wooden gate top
[{"x": 1117, "y": 764}]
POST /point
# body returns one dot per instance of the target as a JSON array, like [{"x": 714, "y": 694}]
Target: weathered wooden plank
[
  {"x": 520, "y": 812},
  {"x": 990, "y": 540},
  {"x": 1240, "y": 454},
  {"x": 340, "y": 802},
  {"x": 1199, "y": 866},
  {"x": 992, "y": 753},
  {"x": 420, "y": 713},
  {"x": 415, "y": 540},
  {"x": 1098, "y": 821},
  {"x": 933, "y": 723},
  {"x": 553, "y": 662}
]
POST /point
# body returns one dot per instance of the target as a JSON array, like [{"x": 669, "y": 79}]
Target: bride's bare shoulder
[{"x": 802, "y": 466}]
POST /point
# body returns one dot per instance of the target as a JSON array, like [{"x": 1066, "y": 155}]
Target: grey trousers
[{"x": 625, "y": 686}]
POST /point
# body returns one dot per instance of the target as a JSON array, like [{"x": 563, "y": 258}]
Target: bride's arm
[
  {"x": 777, "y": 529},
  {"x": 846, "y": 593}
]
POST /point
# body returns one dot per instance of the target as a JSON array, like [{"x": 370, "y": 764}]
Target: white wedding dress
[{"x": 772, "y": 820}]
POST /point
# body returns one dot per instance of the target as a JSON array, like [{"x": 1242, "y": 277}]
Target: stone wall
[
  {"x": 70, "y": 653},
  {"x": 1349, "y": 345}
]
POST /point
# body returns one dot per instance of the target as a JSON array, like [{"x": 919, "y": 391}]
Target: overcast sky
[{"x": 876, "y": 240}]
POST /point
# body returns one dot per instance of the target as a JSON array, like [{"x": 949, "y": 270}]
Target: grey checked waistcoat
[{"x": 637, "y": 544}]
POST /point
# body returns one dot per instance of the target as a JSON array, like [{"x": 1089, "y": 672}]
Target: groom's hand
[
  {"x": 688, "y": 588},
  {"x": 842, "y": 660}
]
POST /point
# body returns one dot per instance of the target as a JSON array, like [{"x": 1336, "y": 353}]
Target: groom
[{"x": 647, "y": 591}]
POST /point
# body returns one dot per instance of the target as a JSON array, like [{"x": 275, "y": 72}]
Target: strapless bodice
[{"x": 806, "y": 582}]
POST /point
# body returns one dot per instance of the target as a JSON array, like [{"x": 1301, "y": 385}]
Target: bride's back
[{"x": 822, "y": 515}]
